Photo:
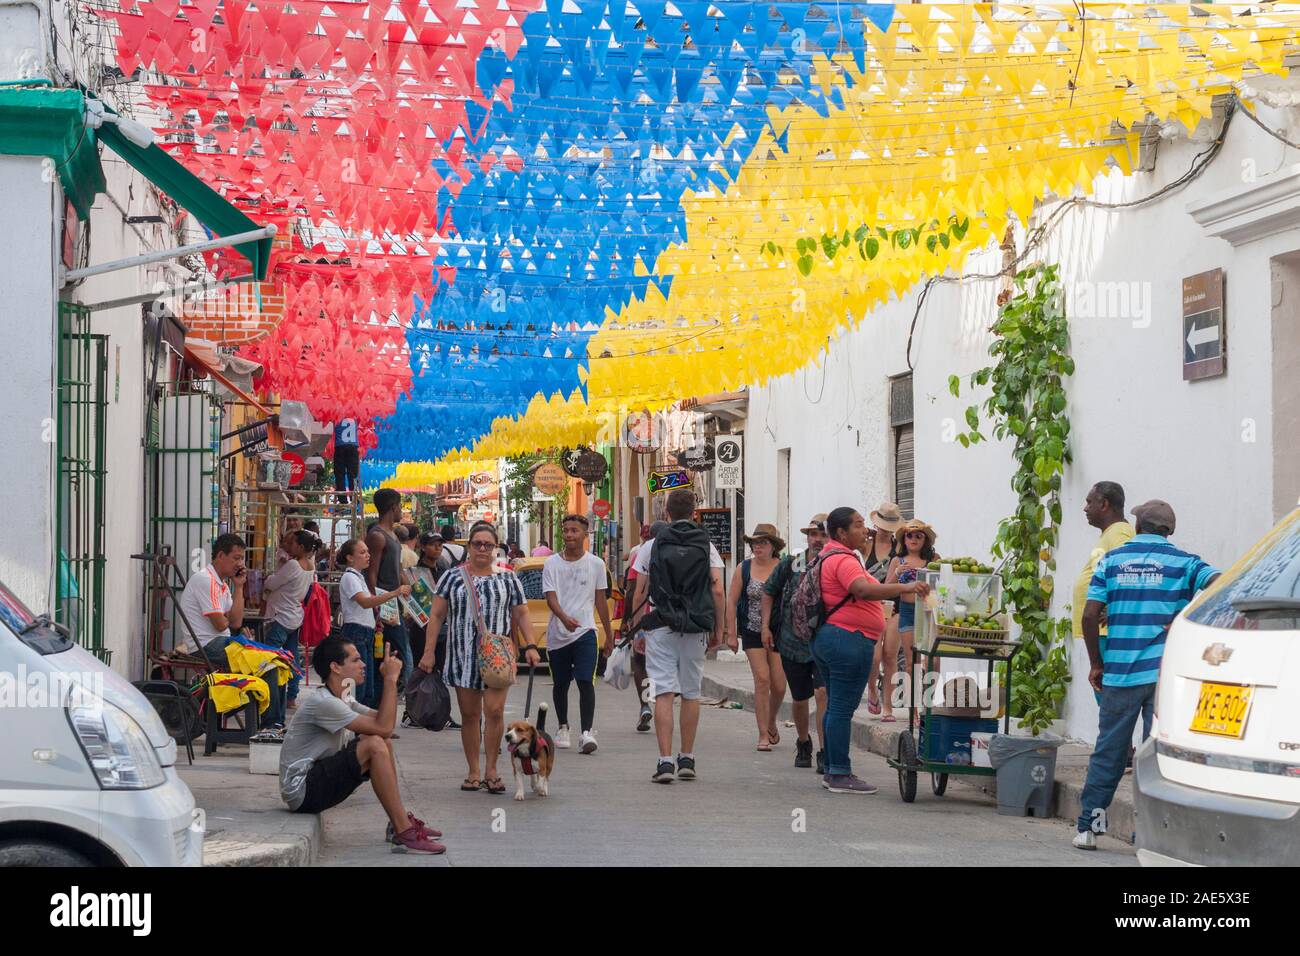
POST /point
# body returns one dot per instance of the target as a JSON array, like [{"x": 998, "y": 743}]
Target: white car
[
  {"x": 1218, "y": 780},
  {"x": 87, "y": 775}
]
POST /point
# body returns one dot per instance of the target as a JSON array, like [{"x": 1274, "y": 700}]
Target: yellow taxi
[{"x": 529, "y": 572}]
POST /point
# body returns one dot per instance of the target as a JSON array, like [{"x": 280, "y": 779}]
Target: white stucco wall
[
  {"x": 26, "y": 414},
  {"x": 112, "y": 238},
  {"x": 1205, "y": 447}
]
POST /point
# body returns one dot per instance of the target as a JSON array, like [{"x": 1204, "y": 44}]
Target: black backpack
[{"x": 680, "y": 580}]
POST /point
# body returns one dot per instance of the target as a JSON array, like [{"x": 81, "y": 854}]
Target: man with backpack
[
  {"x": 680, "y": 604},
  {"x": 796, "y": 655}
]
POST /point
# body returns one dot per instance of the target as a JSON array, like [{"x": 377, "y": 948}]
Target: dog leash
[{"x": 528, "y": 701}]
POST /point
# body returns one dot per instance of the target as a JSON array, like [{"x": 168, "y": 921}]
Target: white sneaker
[
  {"x": 562, "y": 738},
  {"x": 587, "y": 742},
  {"x": 1087, "y": 840}
]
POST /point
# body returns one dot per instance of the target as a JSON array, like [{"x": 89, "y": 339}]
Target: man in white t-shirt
[
  {"x": 574, "y": 582},
  {"x": 675, "y": 658},
  {"x": 212, "y": 606}
]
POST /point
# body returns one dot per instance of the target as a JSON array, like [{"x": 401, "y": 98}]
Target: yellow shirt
[{"x": 1111, "y": 539}]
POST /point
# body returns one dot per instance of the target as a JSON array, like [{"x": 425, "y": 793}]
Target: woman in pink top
[{"x": 845, "y": 644}]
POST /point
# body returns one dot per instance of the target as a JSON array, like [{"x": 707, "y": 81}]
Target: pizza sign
[{"x": 658, "y": 481}]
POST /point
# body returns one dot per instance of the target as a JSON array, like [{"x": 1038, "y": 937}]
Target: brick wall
[{"x": 233, "y": 317}]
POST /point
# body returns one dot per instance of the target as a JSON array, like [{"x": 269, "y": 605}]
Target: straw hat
[
  {"x": 916, "y": 524},
  {"x": 769, "y": 532},
  {"x": 817, "y": 523},
  {"x": 887, "y": 516}
]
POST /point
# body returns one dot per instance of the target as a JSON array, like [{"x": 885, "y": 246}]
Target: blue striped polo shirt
[{"x": 1144, "y": 583}]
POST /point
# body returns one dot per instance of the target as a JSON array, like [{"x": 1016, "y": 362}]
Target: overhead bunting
[{"x": 517, "y": 220}]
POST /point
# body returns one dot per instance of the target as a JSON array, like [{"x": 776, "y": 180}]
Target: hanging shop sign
[
  {"x": 550, "y": 479},
  {"x": 584, "y": 464},
  {"x": 1205, "y": 326},
  {"x": 601, "y": 508},
  {"x": 731, "y": 462},
  {"x": 641, "y": 433},
  {"x": 658, "y": 481},
  {"x": 481, "y": 478},
  {"x": 700, "y": 457}
]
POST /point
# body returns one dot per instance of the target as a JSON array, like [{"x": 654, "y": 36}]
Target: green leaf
[
  {"x": 931, "y": 242},
  {"x": 805, "y": 264},
  {"x": 965, "y": 442},
  {"x": 972, "y": 417},
  {"x": 943, "y": 239},
  {"x": 954, "y": 384},
  {"x": 873, "y": 247}
]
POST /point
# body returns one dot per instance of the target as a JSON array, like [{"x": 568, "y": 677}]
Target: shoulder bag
[{"x": 496, "y": 656}]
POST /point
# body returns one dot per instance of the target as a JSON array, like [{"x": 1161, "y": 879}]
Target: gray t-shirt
[{"x": 318, "y": 729}]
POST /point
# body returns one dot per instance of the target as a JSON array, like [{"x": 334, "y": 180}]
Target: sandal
[
  {"x": 494, "y": 785},
  {"x": 888, "y": 719},
  {"x": 873, "y": 706},
  {"x": 764, "y": 747},
  {"x": 773, "y": 737},
  {"x": 471, "y": 784}
]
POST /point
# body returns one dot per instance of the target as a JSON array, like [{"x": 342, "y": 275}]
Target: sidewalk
[
  {"x": 246, "y": 823},
  {"x": 732, "y": 680}
]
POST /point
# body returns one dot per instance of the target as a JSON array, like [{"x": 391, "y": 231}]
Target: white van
[
  {"x": 1218, "y": 780},
  {"x": 87, "y": 775}
]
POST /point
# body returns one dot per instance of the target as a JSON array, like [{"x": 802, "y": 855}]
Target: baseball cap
[{"x": 429, "y": 537}]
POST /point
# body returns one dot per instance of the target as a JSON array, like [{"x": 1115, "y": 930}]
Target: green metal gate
[{"x": 81, "y": 411}]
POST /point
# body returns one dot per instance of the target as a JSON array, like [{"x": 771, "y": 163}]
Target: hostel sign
[{"x": 1205, "y": 352}]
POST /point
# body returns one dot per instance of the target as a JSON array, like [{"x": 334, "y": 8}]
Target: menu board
[{"x": 717, "y": 522}]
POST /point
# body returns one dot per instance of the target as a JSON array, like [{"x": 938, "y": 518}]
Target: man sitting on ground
[{"x": 334, "y": 744}]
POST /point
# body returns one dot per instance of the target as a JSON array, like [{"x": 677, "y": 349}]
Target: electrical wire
[{"x": 1040, "y": 232}]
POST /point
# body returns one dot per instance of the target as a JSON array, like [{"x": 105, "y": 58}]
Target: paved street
[{"x": 603, "y": 809}]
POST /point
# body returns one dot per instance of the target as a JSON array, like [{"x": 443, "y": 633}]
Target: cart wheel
[
  {"x": 907, "y": 758},
  {"x": 938, "y": 783}
]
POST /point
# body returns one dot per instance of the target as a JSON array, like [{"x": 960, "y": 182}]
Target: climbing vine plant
[
  {"x": 869, "y": 240},
  {"x": 1031, "y": 360}
]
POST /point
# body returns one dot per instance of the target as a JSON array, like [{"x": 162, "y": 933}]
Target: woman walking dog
[{"x": 473, "y": 598}]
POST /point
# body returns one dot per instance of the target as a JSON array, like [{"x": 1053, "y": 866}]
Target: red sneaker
[
  {"x": 391, "y": 837},
  {"x": 416, "y": 840}
]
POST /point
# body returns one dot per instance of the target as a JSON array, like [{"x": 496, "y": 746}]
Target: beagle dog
[{"x": 532, "y": 754}]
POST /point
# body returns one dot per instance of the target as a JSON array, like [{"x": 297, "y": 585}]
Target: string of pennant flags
[{"x": 514, "y": 219}]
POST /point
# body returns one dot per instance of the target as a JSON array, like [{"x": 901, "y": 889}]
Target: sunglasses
[{"x": 482, "y": 545}]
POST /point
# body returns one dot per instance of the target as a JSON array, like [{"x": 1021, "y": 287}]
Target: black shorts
[
  {"x": 802, "y": 679},
  {"x": 749, "y": 641},
  {"x": 332, "y": 779}
]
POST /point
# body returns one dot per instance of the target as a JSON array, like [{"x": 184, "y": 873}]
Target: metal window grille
[{"x": 81, "y": 409}]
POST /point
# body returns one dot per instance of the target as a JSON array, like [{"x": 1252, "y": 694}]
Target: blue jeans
[
  {"x": 277, "y": 635},
  {"x": 364, "y": 638},
  {"x": 1120, "y": 708},
  {"x": 395, "y": 634},
  {"x": 215, "y": 652},
  {"x": 844, "y": 661}
]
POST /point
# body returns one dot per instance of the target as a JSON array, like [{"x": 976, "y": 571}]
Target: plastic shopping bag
[{"x": 618, "y": 669}]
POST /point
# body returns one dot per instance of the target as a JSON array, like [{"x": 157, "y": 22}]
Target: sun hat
[
  {"x": 916, "y": 524},
  {"x": 769, "y": 532},
  {"x": 887, "y": 516},
  {"x": 817, "y": 523}
]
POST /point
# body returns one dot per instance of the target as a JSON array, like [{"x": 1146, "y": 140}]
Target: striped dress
[{"x": 498, "y": 593}]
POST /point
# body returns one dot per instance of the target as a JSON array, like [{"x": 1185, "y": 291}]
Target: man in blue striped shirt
[{"x": 1141, "y": 586}]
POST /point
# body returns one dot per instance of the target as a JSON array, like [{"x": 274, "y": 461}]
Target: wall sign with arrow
[{"x": 1205, "y": 326}]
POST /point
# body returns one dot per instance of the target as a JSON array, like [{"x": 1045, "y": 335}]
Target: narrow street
[{"x": 604, "y": 811}]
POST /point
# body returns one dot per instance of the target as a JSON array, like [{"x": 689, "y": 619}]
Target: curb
[
  {"x": 297, "y": 843},
  {"x": 883, "y": 741}
]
